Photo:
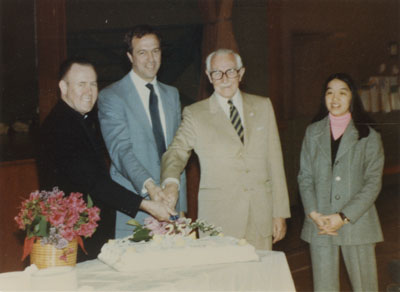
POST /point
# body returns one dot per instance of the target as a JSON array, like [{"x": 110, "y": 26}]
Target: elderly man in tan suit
[{"x": 242, "y": 186}]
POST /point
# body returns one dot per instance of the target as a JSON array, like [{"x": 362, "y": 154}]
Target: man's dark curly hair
[{"x": 139, "y": 32}]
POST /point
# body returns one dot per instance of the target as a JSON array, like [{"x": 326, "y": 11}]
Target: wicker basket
[{"x": 44, "y": 256}]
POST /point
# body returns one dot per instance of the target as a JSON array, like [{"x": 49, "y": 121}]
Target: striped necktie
[{"x": 235, "y": 120}]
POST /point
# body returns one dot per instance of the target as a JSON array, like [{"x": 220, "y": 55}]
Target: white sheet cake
[{"x": 173, "y": 251}]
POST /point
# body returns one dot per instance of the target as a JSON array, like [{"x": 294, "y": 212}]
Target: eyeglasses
[{"x": 230, "y": 73}]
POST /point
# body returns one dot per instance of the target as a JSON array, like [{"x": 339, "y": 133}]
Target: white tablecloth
[{"x": 271, "y": 273}]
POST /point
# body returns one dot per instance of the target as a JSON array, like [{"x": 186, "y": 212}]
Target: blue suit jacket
[{"x": 129, "y": 138}]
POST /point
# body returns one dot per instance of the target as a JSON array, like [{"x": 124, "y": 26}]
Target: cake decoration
[{"x": 163, "y": 245}]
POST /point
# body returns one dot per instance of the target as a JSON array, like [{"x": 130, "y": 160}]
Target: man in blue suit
[{"x": 139, "y": 117}]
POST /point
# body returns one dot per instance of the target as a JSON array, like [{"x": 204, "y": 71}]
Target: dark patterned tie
[
  {"x": 235, "y": 120},
  {"x": 155, "y": 120}
]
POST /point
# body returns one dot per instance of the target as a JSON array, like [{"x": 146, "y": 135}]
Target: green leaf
[
  {"x": 141, "y": 234},
  {"x": 89, "y": 202},
  {"x": 39, "y": 227},
  {"x": 133, "y": 222},
  {"x": 43, "y": 227},
  {"x": 33, "y": 227}
]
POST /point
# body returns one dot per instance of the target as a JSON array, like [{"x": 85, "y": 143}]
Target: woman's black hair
[{"x": 362, "y": 121}]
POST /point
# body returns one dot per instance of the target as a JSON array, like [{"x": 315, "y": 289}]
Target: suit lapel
[
  {"x": 324, "y": 139},
  {"x": 222, "y": 122},
  {"x": 349, "y": 138},
  {"x": 133, "y": 100}
]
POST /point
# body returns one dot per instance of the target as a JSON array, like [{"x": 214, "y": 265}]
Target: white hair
[{"x": 238, "y": 59}]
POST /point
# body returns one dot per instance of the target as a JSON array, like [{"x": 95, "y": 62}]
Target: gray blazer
[
  {"x": 129, "y": 138},
  {"x": 350, "y": 186}
]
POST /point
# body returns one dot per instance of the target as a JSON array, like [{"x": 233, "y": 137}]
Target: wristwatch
[{"x": 344, "y": 218}]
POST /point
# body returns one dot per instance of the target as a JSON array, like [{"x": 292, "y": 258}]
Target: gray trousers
[{"x": 359, "y": 260}]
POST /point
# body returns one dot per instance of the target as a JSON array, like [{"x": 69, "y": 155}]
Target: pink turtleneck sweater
[{"x": 339, "y": 124}]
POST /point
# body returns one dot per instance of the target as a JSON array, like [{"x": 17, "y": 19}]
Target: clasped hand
[{"x": 327, "y": 224}]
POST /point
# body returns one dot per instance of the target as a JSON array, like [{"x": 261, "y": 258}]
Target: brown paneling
[
  {"x": 52, "y": 50},
  {"x": 274, "y": 57},
  {"x": 354, "y": 36},
  {"x": 193, "y": 181},
  {"x": 17, "y": 180},
  {"x": 217, "y": 34}
]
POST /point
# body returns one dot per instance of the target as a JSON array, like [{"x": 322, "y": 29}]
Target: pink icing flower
[{"x": 155, "y": 226}]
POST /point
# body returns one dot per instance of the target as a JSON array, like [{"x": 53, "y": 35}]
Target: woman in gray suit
[{"x": 340, "y": 178}]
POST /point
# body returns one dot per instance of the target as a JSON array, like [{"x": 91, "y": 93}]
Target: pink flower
[
  {"x": 63, "y": 257},
  {"x": 94, "y": 214},
  {"x": 68, "y": 233},
  {"x": 43, "y": 208},
  {"x": 20, "y": 222},
  {"x": 75, "y": 202},
  {"x": 72, "y": 219},
  {"x": 34, "y": 196},
  {"x": 67, "y": 216},
  {"x": 87, "y": 229},
  {"x": 56, "y": 218}
]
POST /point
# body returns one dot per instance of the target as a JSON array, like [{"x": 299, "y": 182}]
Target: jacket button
[
  {"x": 338, "y": 178},
  {"x": 337, "y": 197}
]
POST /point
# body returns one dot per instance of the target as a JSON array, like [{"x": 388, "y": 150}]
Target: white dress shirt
[
  {"x": 144, "y": 94},
  {"x": 237, "y": 101}
]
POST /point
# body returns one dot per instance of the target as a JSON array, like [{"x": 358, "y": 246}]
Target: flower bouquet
[
  {"x": 53, "y": 220},
  {"x": 182, "y": 226}
]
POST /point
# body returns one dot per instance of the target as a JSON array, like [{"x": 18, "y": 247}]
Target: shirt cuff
[
  {"x": 170, "y": 180},
  {"x": 144, "y": 190}
]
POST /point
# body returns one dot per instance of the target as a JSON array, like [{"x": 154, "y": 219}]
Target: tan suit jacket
[{"x": 238, "y": 182}]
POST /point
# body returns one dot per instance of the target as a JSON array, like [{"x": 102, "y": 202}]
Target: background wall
[
  {"x": 318, "y": 38},
  {"x": 181, "y": 24},
  {"x": 312, "y": 39},
  {"x": 18, "y": 78},
  {"x": 99, "y": 33},
  {"x": 322, "y": 37}
]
